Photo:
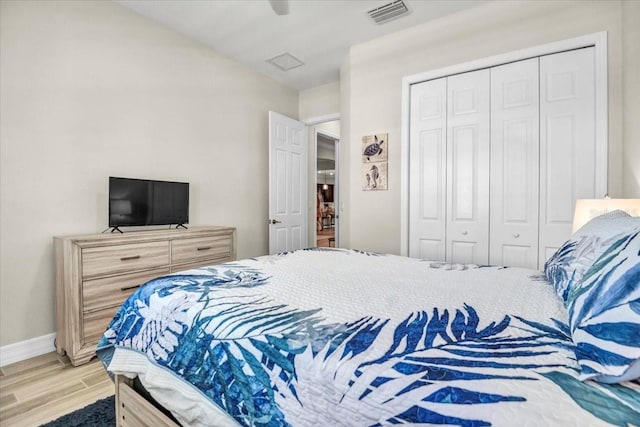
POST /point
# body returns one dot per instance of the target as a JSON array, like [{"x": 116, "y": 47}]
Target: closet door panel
[
  {"x": 467, "y": 225},
  {"x": 427, "y": 162},
  {"x": 567, "y": 142},
  {"x": 515, "y": 164}
]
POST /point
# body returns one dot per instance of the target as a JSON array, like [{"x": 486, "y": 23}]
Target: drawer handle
[
  {"x": 129, "y": 258},
  {"x": 204, "y": 248},
  {"x": 128, "y": 288}
]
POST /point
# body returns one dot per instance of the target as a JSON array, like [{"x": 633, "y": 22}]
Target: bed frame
[{"x": 134, "y": 410}]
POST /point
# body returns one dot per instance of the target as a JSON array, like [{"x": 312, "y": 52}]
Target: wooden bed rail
[{"x": 133, "y": 410}]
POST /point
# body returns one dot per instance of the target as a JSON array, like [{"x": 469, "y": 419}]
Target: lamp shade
[{"x": 586, "y": 209}]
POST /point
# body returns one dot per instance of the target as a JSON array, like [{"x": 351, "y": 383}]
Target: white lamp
[{"x": 586, "y": 209}]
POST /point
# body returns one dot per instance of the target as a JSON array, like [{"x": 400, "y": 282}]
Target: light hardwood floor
[
  {"x": 323, "y": 237},
  {"x": 41, "y": 389}
]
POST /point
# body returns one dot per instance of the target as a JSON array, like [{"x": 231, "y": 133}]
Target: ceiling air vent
[
  {"x": 389, "y": 11},
  {"x": 285, "y": 62}
]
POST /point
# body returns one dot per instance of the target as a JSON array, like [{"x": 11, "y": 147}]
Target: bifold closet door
[
  {"x": 449, "y": 169},
  {"x": 467, "y": 224},
  {"x": 567, "y": 142},
  {"x": 427, "y": 169},
  {"x": 515, "y": 164},
  {"x": 499, "y": 156}
]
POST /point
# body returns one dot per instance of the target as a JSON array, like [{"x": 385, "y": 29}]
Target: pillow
[
  {"x": 566, "y": 267},
  {"x": 604, "y": 314}
]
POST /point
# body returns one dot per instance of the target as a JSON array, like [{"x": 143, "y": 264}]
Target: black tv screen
[{"x": 135, "y": 202}]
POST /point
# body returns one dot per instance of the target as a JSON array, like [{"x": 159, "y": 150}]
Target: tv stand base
[{"x": 181, "y": 226}]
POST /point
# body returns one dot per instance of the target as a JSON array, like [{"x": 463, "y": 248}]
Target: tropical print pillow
[
  {"x": 566, "y": 267},
  {"x": 604, "y": 314}
]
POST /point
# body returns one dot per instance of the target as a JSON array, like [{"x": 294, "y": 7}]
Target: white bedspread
[{"x": 340, "y": 337}]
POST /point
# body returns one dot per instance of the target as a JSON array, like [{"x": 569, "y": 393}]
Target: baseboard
[{"x": 23, "y": 350}]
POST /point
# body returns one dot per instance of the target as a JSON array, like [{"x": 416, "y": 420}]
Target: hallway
[{"x": 324, "y": 236}]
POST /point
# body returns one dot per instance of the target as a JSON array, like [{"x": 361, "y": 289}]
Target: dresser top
[{"x": 146, "y": 235}]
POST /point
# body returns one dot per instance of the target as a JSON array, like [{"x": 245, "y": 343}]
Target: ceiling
[{"x": 318, "y": 32}]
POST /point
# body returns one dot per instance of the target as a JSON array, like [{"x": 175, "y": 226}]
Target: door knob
[
  {"x": 465, "y": 232},
  {"x": 516, "y": 235},
  {"x": 274, "y": 221}
]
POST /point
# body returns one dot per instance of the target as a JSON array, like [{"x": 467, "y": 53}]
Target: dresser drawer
[
  {"x": 113, "y": 290},
  {"x": 95, "y": 323},
  {"x": 200, "y": 263},
  {"x": 116, "y": 259},
  {"x": 200, "y": 248}
]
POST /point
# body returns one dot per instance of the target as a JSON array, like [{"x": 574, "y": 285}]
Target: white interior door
[
  {"x": 468, "y": 143},
  {"x": 427, "y": 169},
  {"x": 567, "y": 142},
  {"x": 515, "y": 164},
  {"x": 287, "y": 184}
]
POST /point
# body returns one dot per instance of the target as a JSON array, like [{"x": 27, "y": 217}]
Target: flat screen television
[{"x": 135, "y": 202}]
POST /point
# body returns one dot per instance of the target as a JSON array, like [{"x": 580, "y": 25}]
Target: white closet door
[
  {"x": 567, "y": 142},
  {"x": 467, "y": 229},
  {"x": 515, "y": 164},
  {"x": 427, "y": 174}
]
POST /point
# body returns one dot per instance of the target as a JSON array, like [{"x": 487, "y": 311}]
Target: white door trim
[
  {"x": 336, "y": 186},
  {"x": 321, "y": 119},
  {"x": 597, "y": 40}
]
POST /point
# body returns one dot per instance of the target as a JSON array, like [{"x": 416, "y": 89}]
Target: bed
[{"x": 337, "y": 337}]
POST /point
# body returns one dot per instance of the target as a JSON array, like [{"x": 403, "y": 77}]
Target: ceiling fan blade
[{"x": 280, "y": 7}]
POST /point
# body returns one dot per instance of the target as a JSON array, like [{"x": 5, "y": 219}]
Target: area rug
[{"x": 99, "y": 414}]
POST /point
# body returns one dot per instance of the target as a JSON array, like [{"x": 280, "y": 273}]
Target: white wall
[
  {"x": 631, "y": 98},
  {"x": 91, "y": 89},
  {"x": 319, "y": 101},
  {"x": 490, "y": 29}
]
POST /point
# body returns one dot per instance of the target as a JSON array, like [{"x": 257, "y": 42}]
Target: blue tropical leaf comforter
[{"x": 341, "y": 337}]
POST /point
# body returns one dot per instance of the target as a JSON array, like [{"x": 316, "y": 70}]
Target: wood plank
[
  {"x": 96, "y": 378},
  {"x": 55, "y": 409},
  {"x": 39, "y": 372},
  {"x": 40, "y": 399},
  {"x": 135, "y": 411},
  {"x": 29, "y": 364},
  {"x": 69, "y": 374},
  {"x": 46, "y": 387},
  {"x": 7, "y": 400}
]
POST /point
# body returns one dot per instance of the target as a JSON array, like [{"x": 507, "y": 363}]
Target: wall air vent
[
  {"x": 285, "y": 62},
  {"x": 388, "y": 12}
]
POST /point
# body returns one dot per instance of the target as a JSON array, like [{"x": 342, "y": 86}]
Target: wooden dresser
[{"x": 95, "y": 273}]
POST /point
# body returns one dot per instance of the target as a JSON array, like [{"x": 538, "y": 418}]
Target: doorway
[{"x": 326, "y": 136}]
